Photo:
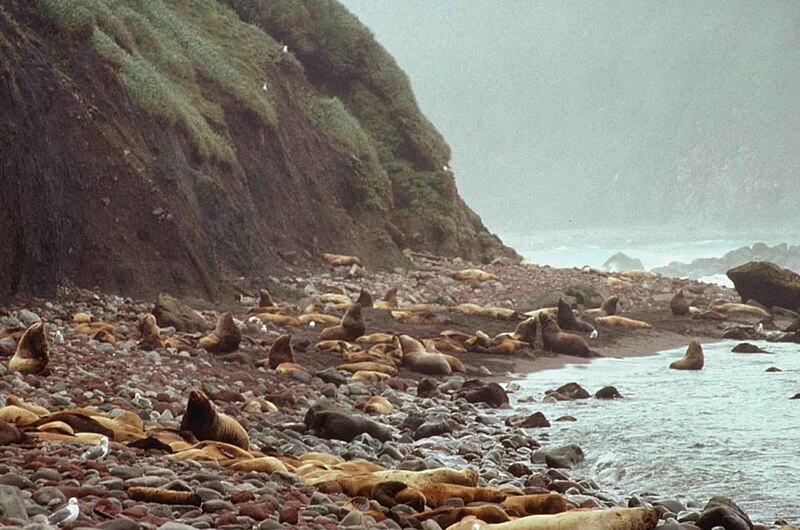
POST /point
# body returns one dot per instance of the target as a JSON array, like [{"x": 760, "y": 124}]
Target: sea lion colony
[{"x": 260, "y": 401}]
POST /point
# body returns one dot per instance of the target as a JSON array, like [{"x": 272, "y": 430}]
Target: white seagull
[
  {"x": 594, "y": 334},
  {"x": 264, "y": 87},
  {"x": 142, "y": 401},
  {"x": 59, "y": 337},
  {"x": 98, "y": 451},
  {"x": 285, "y": 49},
  {"x": 65, "y": 515},
  {"x": 760, "y": 328},
  {"x": 312, "y": 324}
]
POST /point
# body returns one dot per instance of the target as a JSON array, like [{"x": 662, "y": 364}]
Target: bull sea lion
[
  {"x": 679, "y": 305},
  {"x": 151, "y": 333},
  {"x": 225, "y": 338},
  {"x": 693, "y": 360},
  {"x": 567, "y": 319},
  {"x": 389, "y": 300},
  {"x": 280, "y": 352},
  {"x": 205, "y": 423},
  {"x": 417, "y": 359},
  {"x": 364, "y": 298},
  {"x": 33, "y": 353},
  {"x": 613, "y": 519},
  {"x": 622, "y": 322},
  {"x": 559, "y": 341},
  {"x": 351, "y": 327},
  {"x": 341, "y": 425}
]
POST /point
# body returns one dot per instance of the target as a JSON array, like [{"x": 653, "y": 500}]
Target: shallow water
[{"x": 729, "y": 429}]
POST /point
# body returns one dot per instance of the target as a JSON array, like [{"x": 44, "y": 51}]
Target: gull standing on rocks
[
  {"x": 58, "y": 337},
  {"x": 285, "y": 49},
  {"x": 593, "y": 334},
  {"x": 98, "y": 451},
  {"x": 264, "y": 87},
  {"x": 760, "y": 328},
  {"x": 65, "y": 515},
  {"x": 142, "y": 401}
]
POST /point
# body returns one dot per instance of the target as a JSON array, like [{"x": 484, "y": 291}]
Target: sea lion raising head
[
  {"x": 567, "y": 319},
  {"x": 33, "y": 352},
  {"x": 205, "y": 423},
  {"x": 352, "y": 326},
  {"x": 225, "y": 338},
  {"x": 693, "y": 360},
  {"x": 559, "y": 341}
]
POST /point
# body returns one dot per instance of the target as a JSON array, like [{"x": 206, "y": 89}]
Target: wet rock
[
  {"x": 746, "y": 347},
  {"x": 569, "y": 391},
  {"x": 767, "y": 284},
  {"x": 534, "y": 421},
  {"x": 608, "y": 392},
  {"x": 721, "y": 511},
  {"x": 559, "y": 457},
  {"x": 476, "y": 391},
  {"x": 12, "y": 503},
  {"x": 773, "y": 369},
  {"x": 49, "y": 496},
  {"x": 120, "y": 523},
  {"x": 432, "y": 427}
]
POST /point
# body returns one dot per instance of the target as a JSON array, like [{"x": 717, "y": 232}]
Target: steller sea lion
[
  {"x": 607, "y": 308},
  {"x": 679, "y": 305},
  {"x": 546, "y": 503},
  {"x": 368, "y": 366},
  {"x": 279, "y": 320},
  {"x": 205, "y": 423},
  {"x": 280, "y": 352},
  {"x": 740, "y": 308},
  {"x": 417, "y": 359},
  {"x": 446, "y": 517},
  {"x": 436, "y": 494},
  {"x": 439, "y": 475},
  {"x": 337, "y": 424},
  {"x": 472, "y": 275},
  {"x": 567, "y": 320},
  {"x": 370, "y": 377},
  {"x": 364, "y": 298},
  {"x": 389, "y": 300},
  {"x": 225, "y": 338},
  {"x": 559, "y": 341},
  {"x": 613, "y": 519},
  {"x": 526, "y": 331},
  {"x": 693, "y": 360},
  {"x": 151, "y": 333},
  {"x": 497, "y": 313},
  {"x": 351, "y": 327},
  {"x": 265, "y": 299},
  {"x": 378, "y": 405},
  {"x": 341, "y": 260},
  {"x": 33, "y": 352},
  {"x": 623, "y": 322}
]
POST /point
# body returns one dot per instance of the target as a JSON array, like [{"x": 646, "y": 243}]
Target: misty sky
[{"x": 597, "y": 112}]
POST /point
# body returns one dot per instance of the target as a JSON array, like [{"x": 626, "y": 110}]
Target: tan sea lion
[
  {"x": 436, "y": 494},
  {"x": 443, "y": 475},
  {"x": 472, "y": 275},
  {"x": 280, "y": 352},
  {"x": 369, "y": 377},
  {"x": 526, "y": 331},
  {"x": 740, "y": 308},
  {"x": 318, "y": 318},
  {"x": 205, "y": 423},
  {"x": 497, "y": 313},
  {"x": 424, "y": 318},
  {"x": 151, "y": 333},
  {"x": 546, "y": 503},
  {"x": 567, "y": 320},
  {"x": 225, "y": 338},
  {"x": 33, "y": 352},
  {"x": 366, "y": 366},
  {"x": 375, "y": 338},
  {"x": 334, "y": 298},
  {"x": 443, "y": 345},
  {"x": 607, "y": 308},
  {"x": 163, "y": 496},
  {"x": 378, "y": 405},
  {"x": 679, "y": 305},
  {"x": 341, "y": 260},
  {"x": 622, "y": 322},
  {"x": 283, "y": 321},
  {"x": 351, "y": 327},
  {"x": 559, "y": 341},
  {"x": 389, "y": 300},
  {"x": 614, "y": 519},
  {"x": 36, "y": 409},
  {"x": 693, "y": 360},
  {"x": 418, "y": 360}
]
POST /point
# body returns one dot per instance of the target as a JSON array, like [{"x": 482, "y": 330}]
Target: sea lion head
[
  {"x": 609, "y": 305},
  {"x": 200, "y": 412},
  {"x": 548, "y": 324},
  {"x": 410, "y": 345},
  {"x": 265, "y": 299},
  {"x": 281, "y": 351},
  {"x": 695, "y": 350},
  {"x": 33, "y": 344},
  {"x": 391, "y": 296},
  {"x": 364, "y": 298},
  {"x": 352, "y": 317}
]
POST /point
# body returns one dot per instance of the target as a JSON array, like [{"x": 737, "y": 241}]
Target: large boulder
[
  {"x": 562, "y": 457},
  {"x": 169, "y": 311},
  {"x": 620, "y": 262},
  {"x": 475, "y": 391},
  {"x": 721, "y": 511},
  {"x": 586, "y": 295},
  {"x": 767, "y": 284}
]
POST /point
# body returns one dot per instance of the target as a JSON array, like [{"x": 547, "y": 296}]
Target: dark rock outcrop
[{"x": 768, "y": 284}]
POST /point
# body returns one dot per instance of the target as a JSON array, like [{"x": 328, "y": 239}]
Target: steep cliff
[{"x": 151, "y": 145}]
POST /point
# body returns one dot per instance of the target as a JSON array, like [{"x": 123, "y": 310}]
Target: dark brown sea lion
[
  {"x": 352, "y": 326},
  {"x": 33, "y": 352},
  {"x": 559, "y": 341},
  {"x": 445, "y": 517},
  {"x": 205, "y": 423},
  {"x": 679, "y": 305},
  {"x": 280, "y": 352},
  {"x": 265, "y": 299},
  {"x": 151, "y": 333},
  {"x": 389, "y": 300},
  {"x": 337, "y": 424},
  {"x": 225, "y": 338},
  {"x": 609, "y": 305},
  {"x": 693, "y": 360},
  {"x": 364, "y": 298},
  {"x": 567, "y": 319}
]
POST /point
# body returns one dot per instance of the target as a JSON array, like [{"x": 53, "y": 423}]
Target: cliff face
[{"x": 149, "y": 145}]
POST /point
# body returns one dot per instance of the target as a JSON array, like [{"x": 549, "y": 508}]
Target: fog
[{"x": 594, "y": 114}]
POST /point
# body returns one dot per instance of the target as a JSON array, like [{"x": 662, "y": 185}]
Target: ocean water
[
  {"x": 729, "y": 429},
  {"x": 576, "y": 248}
]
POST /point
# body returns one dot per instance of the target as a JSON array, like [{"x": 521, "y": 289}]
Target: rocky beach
[{"x": 372, "y": 444}]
